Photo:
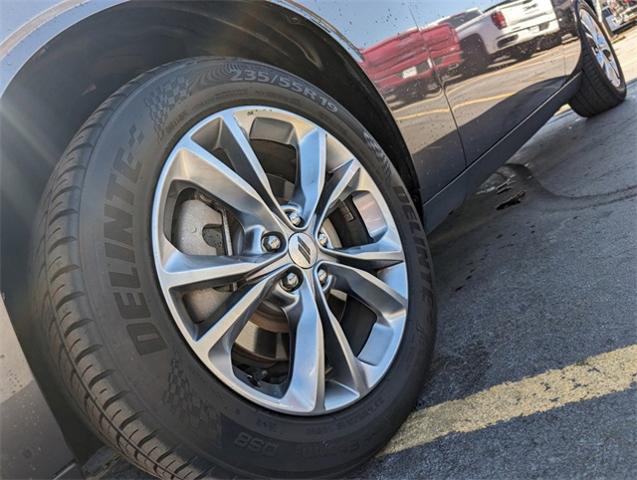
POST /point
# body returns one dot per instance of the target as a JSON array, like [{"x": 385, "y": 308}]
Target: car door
[
  {"x": 511, "y": 62},
  {"x": 391, "y": 51}
]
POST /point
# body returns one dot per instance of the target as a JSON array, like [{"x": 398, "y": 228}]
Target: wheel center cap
[{"x": 302, "y": 249}]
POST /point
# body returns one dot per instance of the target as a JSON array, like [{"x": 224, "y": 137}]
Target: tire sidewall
[{"x": 164, "y": 379}]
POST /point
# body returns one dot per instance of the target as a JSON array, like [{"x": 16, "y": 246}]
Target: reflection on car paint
[
  {"x": 512, "y": 62},
  {"x": 459, "y": 75}
]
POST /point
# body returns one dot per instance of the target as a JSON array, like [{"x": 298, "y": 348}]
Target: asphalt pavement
[
  {"x": 534, "y": 370},
  {"x": 537, "y": 275}
]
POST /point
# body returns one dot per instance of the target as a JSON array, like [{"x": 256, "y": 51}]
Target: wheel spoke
[
  {"x": 591, "y": 40},
  {"x": 608, "y": 70},
  {"x": 348, "y": 370},
  {"x": 310, "y": 172},
  {"x": 379, "y": 297},
  {"x": 611, "y": 60},
  {"x": 385, "y": 252},
  {"x": 369, "y": 257},
  {"x": 194, "y": 164},
  {"x": 587, "y": 23},
  {"x": 588, "y": 32},
  {"x": 306, "y": 390},
  {"x": 613, "y": 70},
  {"x": 178, "y": 269},
  {"x": 601, "y": 40},
  {"x": 245, "y": 162},
  {"x": 593, "y": 32},
  {"x": 219, "y": 334},
  {"x": 601, "y": 59},
  {"x": 343, "y": 182}
]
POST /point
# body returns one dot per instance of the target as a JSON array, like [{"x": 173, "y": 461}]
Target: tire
[
  {"x": 597, "y": 93},
  {"x": 550, "y": 41},
  {"x": 108, "y": 327},
  {"x": 523, "y": 52},
  {"x": 476, "y": 57}
]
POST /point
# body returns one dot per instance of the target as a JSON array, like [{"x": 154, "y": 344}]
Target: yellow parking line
[
  {"x": 460, "y": 105},
  {"x": 483, "y": 100},
  {"x": 592, "y": 378},
  {"x": 537, "y": 60},
  {"x": 422, "y": 114}
]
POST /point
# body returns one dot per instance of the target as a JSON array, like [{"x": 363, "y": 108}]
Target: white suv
[{"x": 514, "y": 27}]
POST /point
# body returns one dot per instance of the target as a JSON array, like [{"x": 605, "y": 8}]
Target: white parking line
[{"x": 594, "y": 377}]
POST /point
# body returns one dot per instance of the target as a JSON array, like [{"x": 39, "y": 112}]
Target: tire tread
[{"x": 58, "y": 292}]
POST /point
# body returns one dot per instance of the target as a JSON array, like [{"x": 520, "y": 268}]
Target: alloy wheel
[
  {"x": 279, "y": 260},
  {"x": 601, "y": 49}
]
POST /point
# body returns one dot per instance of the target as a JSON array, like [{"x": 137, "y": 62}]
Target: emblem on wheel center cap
[{"x": 302, "y": 250}]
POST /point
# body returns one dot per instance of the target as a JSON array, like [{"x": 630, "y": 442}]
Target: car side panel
[
  {"x": 438, "y": 207},
  {"x": 416, "y": 101},
  {"x": 394, "y": 54},
  {"x": 512, "y": 63}
]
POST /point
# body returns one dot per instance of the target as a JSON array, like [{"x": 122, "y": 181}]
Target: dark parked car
[{"x": 213, "y": 220}]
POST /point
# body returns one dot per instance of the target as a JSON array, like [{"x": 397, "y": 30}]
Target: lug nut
[
  {"x": 295, "y": 218},
  {"x": 322, "y": 276},
  {"x": 291, "y": 281},
  {"x": 271, "y": 243},
  {"x": 322, "y": 239}
]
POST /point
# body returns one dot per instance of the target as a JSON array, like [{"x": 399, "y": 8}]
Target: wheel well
[
  {"x": 472, "y": 40},
  {"x": 59, "y": 87}
]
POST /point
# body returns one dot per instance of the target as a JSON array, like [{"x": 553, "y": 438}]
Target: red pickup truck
[{"x": 403, "y": 65}]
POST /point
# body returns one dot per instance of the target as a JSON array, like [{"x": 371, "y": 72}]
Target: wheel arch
[
  {"x": 57, "y": 88},
  {"x": 474, "y": 39}
]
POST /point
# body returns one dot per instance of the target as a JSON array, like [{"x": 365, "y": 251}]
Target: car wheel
[
  {"x": 603, "y": 85},
  {"x": 232, "y": 278}
]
